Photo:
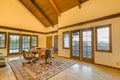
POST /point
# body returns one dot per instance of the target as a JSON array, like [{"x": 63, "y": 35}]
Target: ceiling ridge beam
[
  {"x": 31, "y": 11},
  {"x": 40, "y": 10},
  {"x": 55, "y": 7}
]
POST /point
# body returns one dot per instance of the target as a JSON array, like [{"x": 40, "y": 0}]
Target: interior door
[
  {"x": 56, "y": 44},
  {"x": 75, "y": 44},
  {"x": 87, "y": 45},
  {"x": 49, "y": 42}
]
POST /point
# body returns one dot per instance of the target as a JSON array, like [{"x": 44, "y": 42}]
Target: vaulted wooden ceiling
[{"x": 47, "y": 11}]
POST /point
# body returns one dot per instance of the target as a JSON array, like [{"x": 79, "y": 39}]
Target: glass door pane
[
  {"x": 87, "y": 44},
  {"x": 75, "y": 44},
  {"x": 26, "y": 43},
  {"x": 14, "y": 43}
]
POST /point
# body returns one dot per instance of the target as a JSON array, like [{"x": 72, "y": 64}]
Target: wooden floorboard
[{"x": 79, "y": 71}]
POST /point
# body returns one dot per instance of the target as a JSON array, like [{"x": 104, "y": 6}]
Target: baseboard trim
[{"x": 106, "y": 66}]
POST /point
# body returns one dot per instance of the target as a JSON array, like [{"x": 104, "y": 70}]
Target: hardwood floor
[
  {"x": 79, "y": 71},
  {"x": 6, "y": 73}
]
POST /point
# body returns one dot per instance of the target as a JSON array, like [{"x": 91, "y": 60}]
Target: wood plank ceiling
[{"x": 47, "y": 11}]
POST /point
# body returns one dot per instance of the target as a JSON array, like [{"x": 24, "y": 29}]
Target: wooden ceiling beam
[
  {"x": 55, "y": 7},
  {"x": 28, "y": 7},
  {"x": 79, "y": 4},
  {"x": 36, "y": 5}
]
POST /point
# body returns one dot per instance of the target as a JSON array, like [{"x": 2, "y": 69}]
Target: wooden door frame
[
  {"x": 22, "y": 41},
  {"x": 86, "y": 59},
  {"x": 75, "y": 57},
  {"x": 8, "y": 53}
]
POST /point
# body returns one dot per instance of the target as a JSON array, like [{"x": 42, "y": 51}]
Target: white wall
[
  {"x": 91, "y": 9},
  {"x": 105, "y": 58},
  {"x": 14, "y": 14},
  {"x": 41, "y": 39},
  {"x": 52, "y": 28}
]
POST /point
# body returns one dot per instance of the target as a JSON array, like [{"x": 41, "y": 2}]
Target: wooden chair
[
  {"x": 34, "y": 55},
  {"x": 2, "y": 60},
  {"x": 27, "y": 57},
  {"x": 46, "y": 57}
]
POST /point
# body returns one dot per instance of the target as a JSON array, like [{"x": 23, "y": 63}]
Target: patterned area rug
[{"x": 36, "y": 71}]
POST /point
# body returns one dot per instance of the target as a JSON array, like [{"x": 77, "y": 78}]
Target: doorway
[
  {"x": 49, "y": 42},
  {"x": 75, "y": 41},
  {"x": 87, "y": 45},
  {"x": 56, "y": 44}
]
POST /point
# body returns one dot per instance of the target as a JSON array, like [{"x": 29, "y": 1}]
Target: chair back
[
  {"x": 48, "y": 53},
  {"x": 24, "y": 54}
]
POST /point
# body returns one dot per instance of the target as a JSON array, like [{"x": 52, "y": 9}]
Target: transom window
[
  {"x": 2, "y": 39},
  {"x": 14, "y": 43},
  {"x": 103, "y": 35},
  {"x": 34, "y": 41},
  {"x": 66, "y": 40},
  {"x": 26, "y": 43}
]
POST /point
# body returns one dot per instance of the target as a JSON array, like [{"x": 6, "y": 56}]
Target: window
[
  {"x": 26, "y": 43},
  {"x": 14, "y": 43},
  {"x": 66, "y": 40},
  {"x": 103, "y": 35},
  {"x": 34, "y": 41},
  {"x": 2, "y": 40}
]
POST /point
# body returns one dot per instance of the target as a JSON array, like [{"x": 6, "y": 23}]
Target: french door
[
  {"x": 75, "y": 44},
  {"x": 26, "y": 42},
  {"x": 87, "y": 45},
  {"x": 14, "y": 43}
]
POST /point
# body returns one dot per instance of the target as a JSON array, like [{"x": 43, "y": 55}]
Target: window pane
[
  {"x": 103, "y": 38},
  {"x": 66, "y": 40},
  {"x": 2, "y": 40},
  {"x": 34, "y": 40},
  {"x": 26, "y": 43},
  {"x": 14, "y": 43}
]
